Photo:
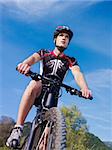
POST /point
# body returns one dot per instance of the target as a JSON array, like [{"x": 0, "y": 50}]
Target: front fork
[{"x": 45, "y": 140}]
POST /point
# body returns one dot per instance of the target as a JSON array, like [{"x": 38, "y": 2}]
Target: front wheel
[{"x": 51, "y": 134}]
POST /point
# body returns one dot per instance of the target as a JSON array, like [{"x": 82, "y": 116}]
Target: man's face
[{"x": 62, "y": 40}]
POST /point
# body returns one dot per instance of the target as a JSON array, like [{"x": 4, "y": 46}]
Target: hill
[{"x": 109, "y": 144}]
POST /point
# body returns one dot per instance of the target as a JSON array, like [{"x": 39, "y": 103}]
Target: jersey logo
[{"x": 55, "y": 65}]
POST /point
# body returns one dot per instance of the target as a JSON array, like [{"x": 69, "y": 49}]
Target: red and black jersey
[{"x": 55, "y": 66}]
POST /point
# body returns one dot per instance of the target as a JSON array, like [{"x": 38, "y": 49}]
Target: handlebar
[{"x": 71, "y": 90}]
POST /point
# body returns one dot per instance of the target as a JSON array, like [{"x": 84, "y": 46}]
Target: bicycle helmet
[{"x": 65, "y": 29}]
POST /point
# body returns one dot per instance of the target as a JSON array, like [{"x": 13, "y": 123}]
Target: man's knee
[{"x": 34, "y": 87}]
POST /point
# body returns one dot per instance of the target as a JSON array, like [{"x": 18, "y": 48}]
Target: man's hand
[
  {"x": 86, "y": 92},
  {"x": 23, "y": 68}
]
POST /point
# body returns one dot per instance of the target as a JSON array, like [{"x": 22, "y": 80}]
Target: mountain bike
[{"x": 48, "y": 131}]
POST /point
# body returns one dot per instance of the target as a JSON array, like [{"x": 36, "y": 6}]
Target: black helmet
[{"x": 65, "y": 29}]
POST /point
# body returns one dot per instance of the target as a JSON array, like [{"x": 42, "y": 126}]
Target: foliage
[
  {"x": 78, "y": 136},
  {"x": 4, "y": 148},
  {"x": 6, "y": 124},
  {"x": 76, "y": 128},
  {"x": 95, "y": 143}
]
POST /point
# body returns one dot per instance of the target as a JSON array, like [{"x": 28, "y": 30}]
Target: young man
[{"x": 55, "y": 65}]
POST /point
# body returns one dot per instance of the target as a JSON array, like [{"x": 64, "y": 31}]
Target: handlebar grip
[
  {"x": 79, "y": 93},
  {"x": 91, "y": 98},
  {"x": 30, "y": 72}
]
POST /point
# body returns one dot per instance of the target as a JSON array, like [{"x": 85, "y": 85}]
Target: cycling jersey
[{"x": 55, "y": 66}]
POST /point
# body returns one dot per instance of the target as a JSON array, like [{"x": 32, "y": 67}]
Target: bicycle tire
[{"x": 58, "y": 133}]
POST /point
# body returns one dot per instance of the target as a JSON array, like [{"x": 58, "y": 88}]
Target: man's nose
[{"x": 63, "y": 37}]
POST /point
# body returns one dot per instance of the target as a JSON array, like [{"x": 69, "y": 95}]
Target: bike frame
[{"x": 47, "y": 102}]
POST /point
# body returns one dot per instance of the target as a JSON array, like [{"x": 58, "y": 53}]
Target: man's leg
[{"x": 32, "y": 91}]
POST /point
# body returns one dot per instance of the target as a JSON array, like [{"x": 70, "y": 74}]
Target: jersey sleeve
[
  {"x": 40, "y": 52},
  {"x": 73, "y": 62},
  {"x": 43, "y": 53}
]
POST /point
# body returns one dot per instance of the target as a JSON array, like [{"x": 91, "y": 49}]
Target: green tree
[
  {"x": 78, "y": 136},
  {"x": 76, "y": 128}
]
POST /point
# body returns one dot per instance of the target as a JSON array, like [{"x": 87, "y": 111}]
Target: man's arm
[
  {"x": 25, "y": 66},
  {"x": 32, "y": 59},
  {"x": 80, "y": 80}
]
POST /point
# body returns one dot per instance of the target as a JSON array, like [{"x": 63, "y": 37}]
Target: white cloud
[
  {"x": 100, "y": 78},
  {"x": 91, "y": 38},
  {"x": 102, "y": 127},
  {"x": 100, "y": 82},
  {"x": 29, "y": 11},
  {"x": 97, "y": 118},
  {"x": 89, "y": 32},
  {"x": 40, "y": 8}
]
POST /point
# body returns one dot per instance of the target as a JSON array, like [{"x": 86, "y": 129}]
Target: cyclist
[{"x": 55, "y": 65}]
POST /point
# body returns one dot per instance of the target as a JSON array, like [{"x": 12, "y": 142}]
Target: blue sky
[{"x": 27, "y": 26}]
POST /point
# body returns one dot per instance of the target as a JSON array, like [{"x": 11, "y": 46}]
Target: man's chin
[{"x": 61, "y": 48}]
